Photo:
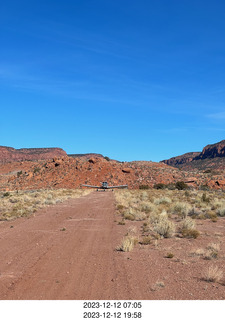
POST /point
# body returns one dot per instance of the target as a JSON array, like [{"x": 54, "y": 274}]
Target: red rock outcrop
[
  {"x": 180, "y": 160},
  {"x": 8, "y": 154},
  {"x": 71, "y": 173},
  {"x": 212, "y": 157},
  {"x": 212, "y": 151}
]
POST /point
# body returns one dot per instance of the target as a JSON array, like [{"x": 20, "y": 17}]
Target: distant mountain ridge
[
  {"x": 212, "y": 154},
  {"x": 212, "y": 151}
]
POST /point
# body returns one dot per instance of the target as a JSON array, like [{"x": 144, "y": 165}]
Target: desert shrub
[
  {"x": 120, "y": 207},
  {"x": 208, "y": 171},
  {"x": 127, "y": 244},
  {"x": 188, "y": 224},
  {"x": 128, "y": 215},
  {"x": 36, "y": 170},
  {"x": 212, "y": 251},
  {"x": 213, "y": 274},
  {"x": 159, "y": 186},
  {"x": 204, "y": 187},
  {"x": 146, "y": 240},
  {"x": 205, "y": 198},
  {"x": 107, "y": 158},
  {"x": 147, "y": 207},
  {"x": 162, "y": 200},
  {"x": 6, "y": 194},
  {"x": 133, "y": 214},
  {"x": 195, "y": 212},
  {"x": 181, "y": 185},
  {"x": 169, "y": 255},
  {"x": 221, "y": 211},
  {"x": 171, "y": 186},
  {"x": 187, "y": 193},
  {"x": 19, "y": 173},
  {"x": 190, "y": 233},
  {"x": 164, "y": 227},
  {"x": 144, "y": 196},
  {"x": 143, "y": 187},
  {"x": 211, "y": 215},
  {"x": 181, "y": 208},
  {"x": 154, "y": 217}
]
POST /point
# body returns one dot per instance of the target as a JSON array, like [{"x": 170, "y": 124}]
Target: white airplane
[{"x": 104, "y": 186}]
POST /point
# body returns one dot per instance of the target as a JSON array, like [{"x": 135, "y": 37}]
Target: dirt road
[
  {"x": 64, "y": 252},
  {"x": 67, "y": 251}
]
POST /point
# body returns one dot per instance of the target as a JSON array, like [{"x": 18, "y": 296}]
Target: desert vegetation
[
  {"x": 183, "y": 228},
  {"x": 169, "y": 213},
  {"x": 16, "y": 204}
]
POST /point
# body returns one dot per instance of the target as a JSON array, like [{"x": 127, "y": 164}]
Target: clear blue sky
[{"x": 133, "y": 80}]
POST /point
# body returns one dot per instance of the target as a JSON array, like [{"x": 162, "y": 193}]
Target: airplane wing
[
  {"x": 122, "y": 186},
  {"x": 89, "y": 186}
]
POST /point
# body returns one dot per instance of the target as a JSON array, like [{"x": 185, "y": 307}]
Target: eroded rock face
[
  {"x": 8, "y": 154},
  {"x": 211, "y": 157},
  {"x": 212, "y": 151},
  {"x": 183, "y": 159}
]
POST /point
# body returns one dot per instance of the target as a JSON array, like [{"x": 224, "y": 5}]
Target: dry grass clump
[
  {"x": 221, "y": 211},
  {"x": 188, "y": 223},
  {"x": 163, "y": 226},
  {"x": 128, "y": 243},
  {"x": 197, "y": 253},
  {"x": 132, "y": 214},
  {"x": 213, "y": 274},
  {"x": 212, "y": 251},
  {"x": 181, "y": 208},
  {"x": 146, "y": 240},
  {"x": 147, "y": 207},
  {"x": 16, "y": 204},
  {"x": 162, "y": 200},
  {"x": 187, "y": 228}
]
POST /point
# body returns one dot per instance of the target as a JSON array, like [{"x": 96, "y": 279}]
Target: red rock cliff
[
  {"x": 8, "y": 154},
  {"x": 216, "y": 150}
]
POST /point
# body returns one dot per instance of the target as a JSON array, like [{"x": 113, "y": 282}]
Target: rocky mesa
[{"x": 8, "y": 154}]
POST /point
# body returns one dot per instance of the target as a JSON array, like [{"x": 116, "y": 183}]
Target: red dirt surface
[{"x": 68, "y": 251}]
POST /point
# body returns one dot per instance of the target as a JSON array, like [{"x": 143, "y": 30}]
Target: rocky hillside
[
  {"x": 68, "y": 172},
  {"x": 86, "y": 155},
  {"x": 212, "y": 157},
  {"x": 180, "y": 160},
  {"x": 8, "y": 154},
  {"x": 216, "y": 150},
  {"x": 71, "y": 173}
]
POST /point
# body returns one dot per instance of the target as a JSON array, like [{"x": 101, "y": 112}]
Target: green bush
[
  {"x": 6, "y": 194},
  {"x": 159, "y": 186},
  {"x": 19, "y": 173},
  {"x": 181, "y": 185},
  {"x": 143, "y": 187}
]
